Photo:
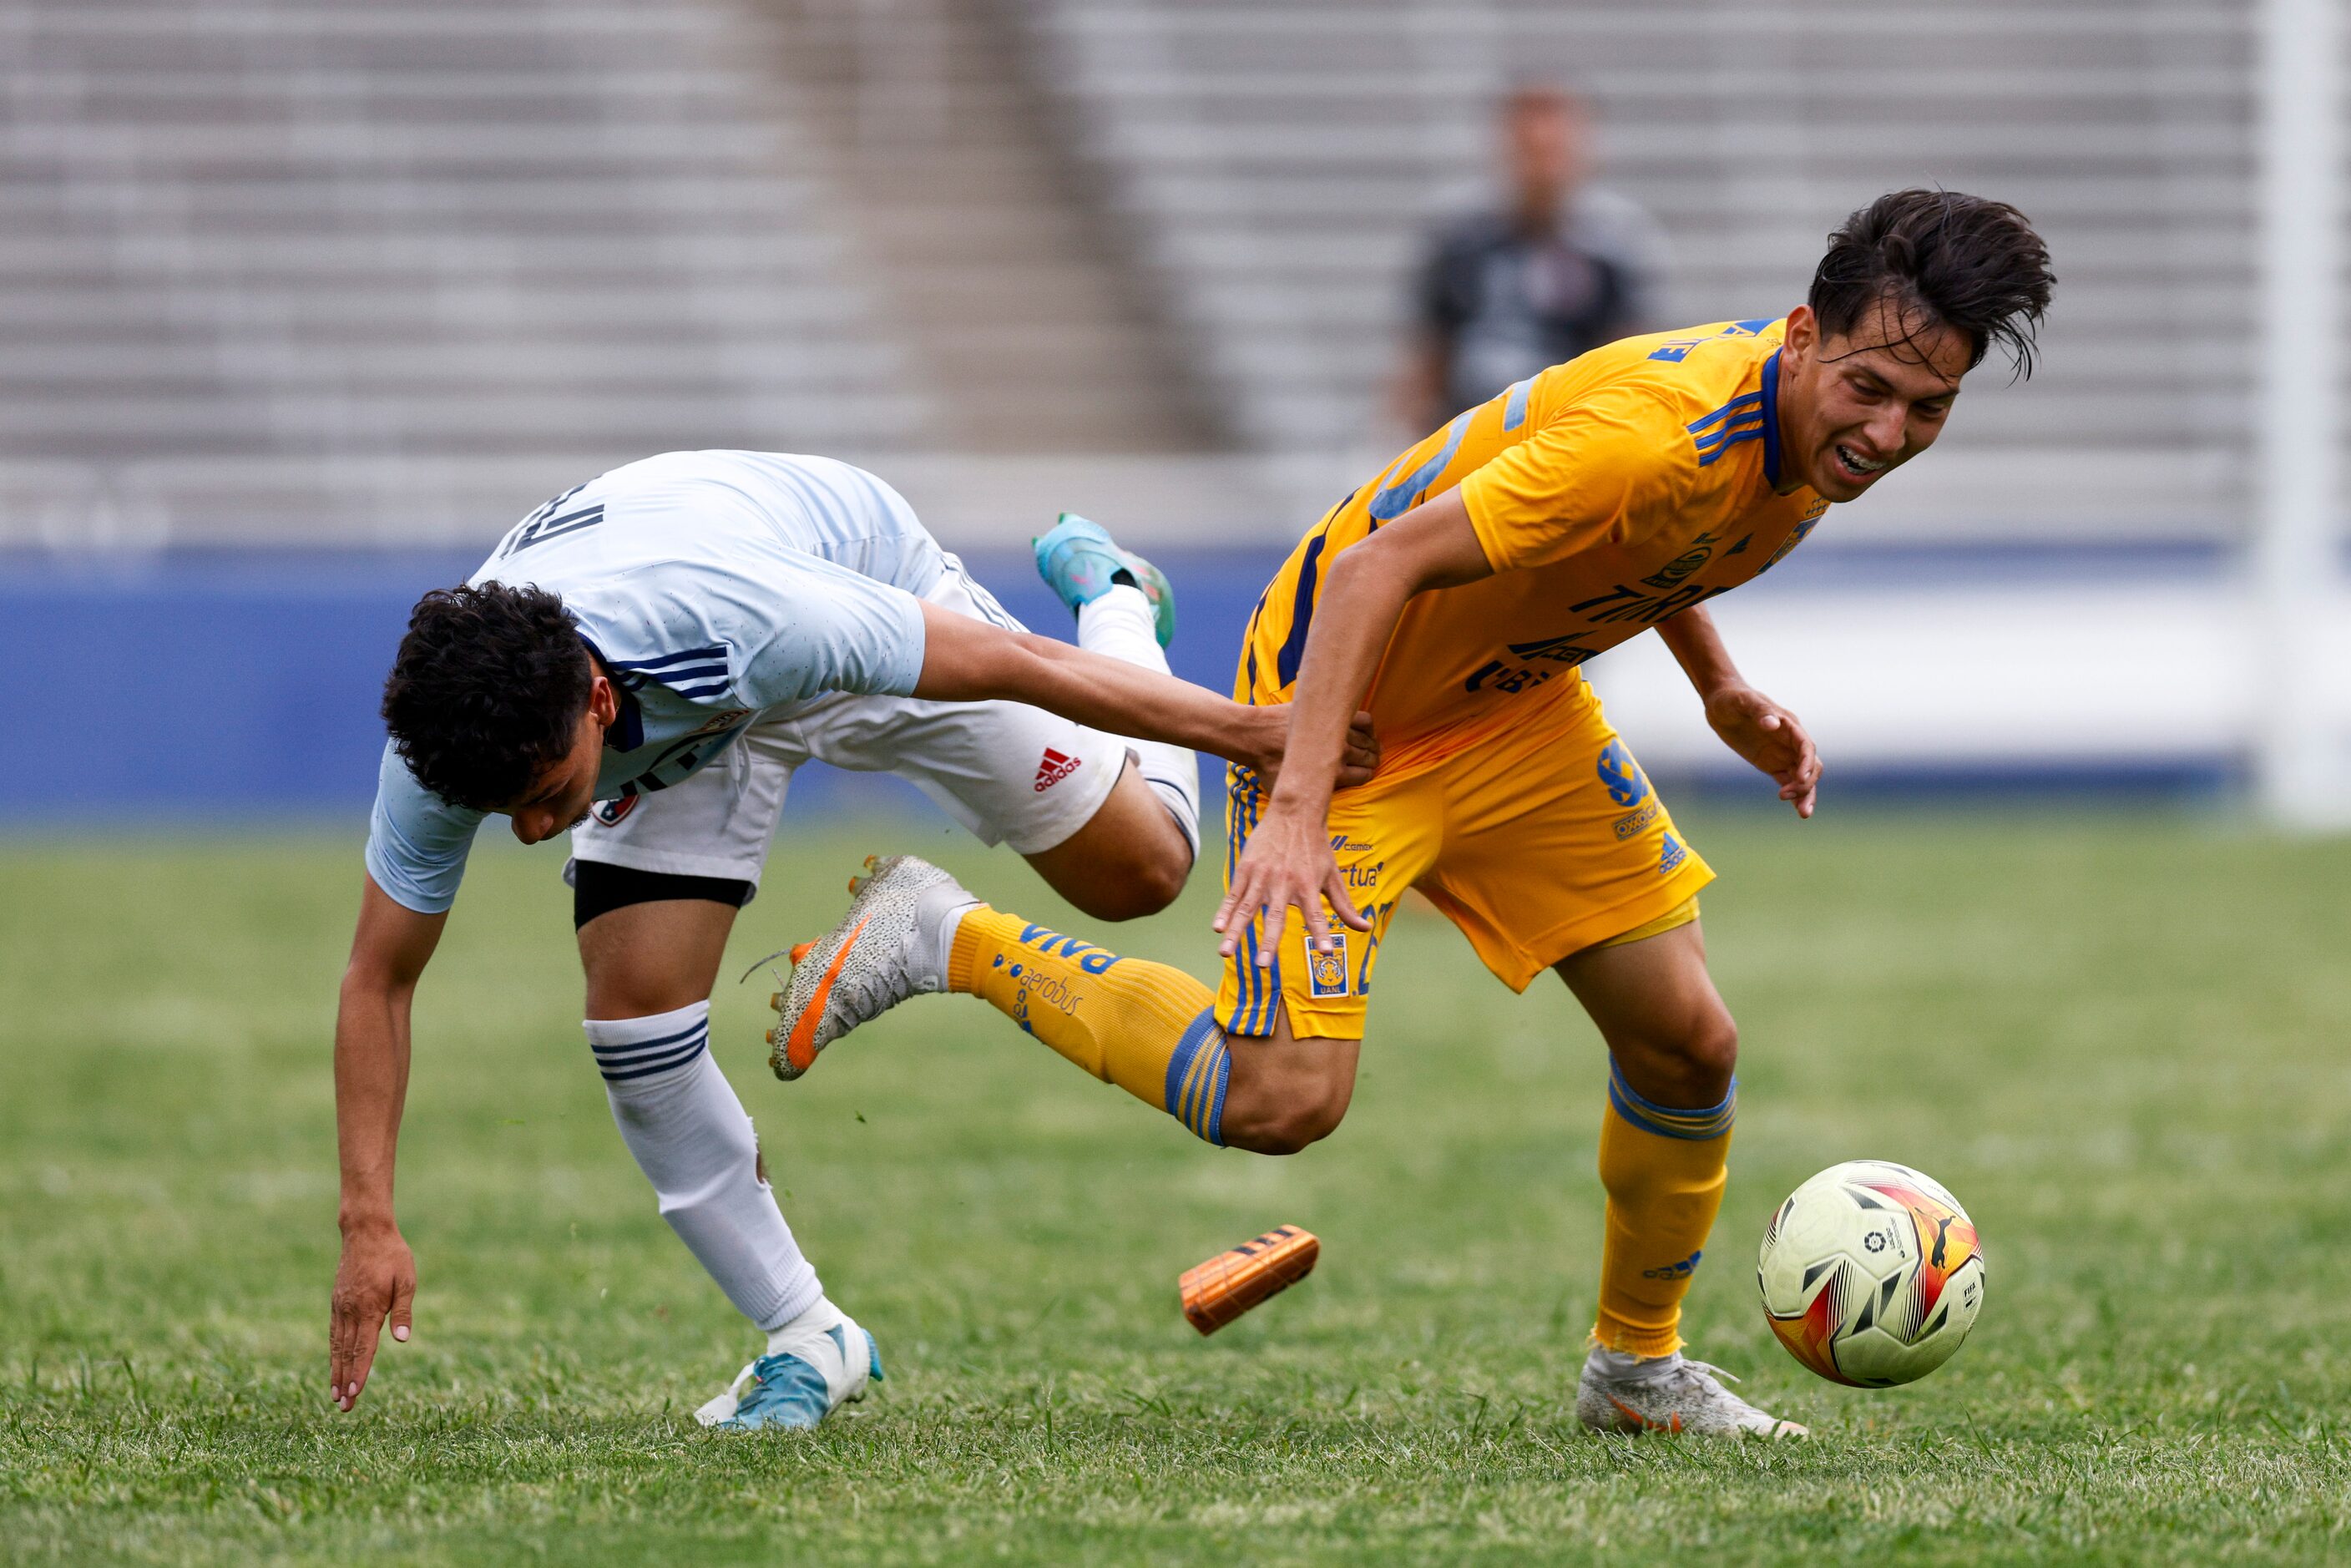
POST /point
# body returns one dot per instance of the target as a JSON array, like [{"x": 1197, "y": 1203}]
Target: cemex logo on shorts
[{"x": 1053, "y": 769}]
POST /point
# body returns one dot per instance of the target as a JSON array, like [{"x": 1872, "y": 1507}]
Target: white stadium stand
[
  {"x": 286, "y": 270},
  {"x": 1282, "y": 157}
]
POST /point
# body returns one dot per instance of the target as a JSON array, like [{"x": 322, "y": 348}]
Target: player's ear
[
  {"x": 603, "y": 701},
  {"x": 1804, "y": 332}
]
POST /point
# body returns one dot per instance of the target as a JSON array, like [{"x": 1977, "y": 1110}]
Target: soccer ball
[{"x": 1871, "y": 1274}]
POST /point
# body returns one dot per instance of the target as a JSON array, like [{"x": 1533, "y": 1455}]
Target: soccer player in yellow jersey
[{"x": 1454, "y": 596}]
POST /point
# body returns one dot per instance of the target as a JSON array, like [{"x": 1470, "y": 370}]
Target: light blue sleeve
[
  {"x": 416, "y": 841},
  {"x": 819, "y": 627}
]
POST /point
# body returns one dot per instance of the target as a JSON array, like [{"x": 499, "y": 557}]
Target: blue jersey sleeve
[
  {"x": 817, "y": 627},
  {"x": 416, "y": 841}
]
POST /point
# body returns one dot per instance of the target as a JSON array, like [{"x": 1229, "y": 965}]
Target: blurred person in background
[{"x": 1558, "y": 266}]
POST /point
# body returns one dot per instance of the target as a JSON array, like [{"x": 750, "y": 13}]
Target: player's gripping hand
[
  {"x": 1358, "y": 760},
  {"x": 1287, "y": 865},
  {"x": 1771, "y": 738},
  {"x": 376, "y": 1280}
]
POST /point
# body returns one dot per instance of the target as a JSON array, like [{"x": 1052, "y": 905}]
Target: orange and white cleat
[
  {"x": 1670, "y": 1394},
  {"x": 892, "y": 945}
]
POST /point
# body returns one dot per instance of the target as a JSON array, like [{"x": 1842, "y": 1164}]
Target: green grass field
[{"x": 2121, "y": 1041}]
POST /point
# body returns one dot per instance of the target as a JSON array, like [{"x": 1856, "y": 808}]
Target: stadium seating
[
  {"x": 295, "y": 270},
  {"x": 1280, "y": 157},
  {"x": 273, "y": 267}
]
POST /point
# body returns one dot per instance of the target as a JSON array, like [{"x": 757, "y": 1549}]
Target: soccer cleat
[
  {"x": 892, "y": 945},
  {"x": 1678, "y": 1396},
  {"x": 1081, "y": 562},
  {"x": 795, "y": 1387}
]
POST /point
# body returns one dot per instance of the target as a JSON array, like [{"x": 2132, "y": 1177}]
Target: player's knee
[
  {"x": 1689, "y": 1063},
  {"x": 623, "y": 996},
  {"x": 1288, "y": 1125},
  {"x": 1711, "y": 1046},
  {"x": 622, "y": 986}
]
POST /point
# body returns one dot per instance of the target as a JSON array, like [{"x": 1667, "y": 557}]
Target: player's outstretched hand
[
  {"x": 1287, "y": 865},
  {"x": 1771, "y": 738},
  {"x": 375, "y": 1280}
]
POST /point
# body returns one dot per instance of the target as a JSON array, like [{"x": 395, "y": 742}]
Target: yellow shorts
[{"x": 1537, "y": 843}]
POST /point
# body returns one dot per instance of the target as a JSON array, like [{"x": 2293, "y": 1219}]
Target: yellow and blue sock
[
  {"x": 1147, "y": 1028},
  {"x": 1665, "y": 1170}
]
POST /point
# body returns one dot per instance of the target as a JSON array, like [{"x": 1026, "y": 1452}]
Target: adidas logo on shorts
[{"x": 1053, "y": 769}]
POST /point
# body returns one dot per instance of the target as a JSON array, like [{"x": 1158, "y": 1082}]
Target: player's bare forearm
[
  {"x": 1354, "y": 617},
  {"x": 371, "y": 1087},
  {"x": 377, "y": 1275},
  {"x": 389, "y": 952},
  {"x": 1698, "y": 647},
  {"x": 1766, "y": 734},
  {"x": 970, "y": 661}
]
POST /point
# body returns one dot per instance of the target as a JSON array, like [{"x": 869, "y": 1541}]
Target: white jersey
[{"x": 720, "y": 589}]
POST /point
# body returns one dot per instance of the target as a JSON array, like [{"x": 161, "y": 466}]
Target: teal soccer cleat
[
  {"x": 796, "y": 1387},
  {"x": 1081, "y": 562}
]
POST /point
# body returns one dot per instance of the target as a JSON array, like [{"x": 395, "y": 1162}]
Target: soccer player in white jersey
[{"x": 644, "y": 661}]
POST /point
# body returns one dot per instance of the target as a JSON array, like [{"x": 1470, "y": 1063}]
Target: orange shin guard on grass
[
  {"x": 1147, "y": 1028},
  {"x": 1664, "y": 1172}
]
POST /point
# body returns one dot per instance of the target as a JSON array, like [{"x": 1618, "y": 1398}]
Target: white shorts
[{"x": 1011, "y": 773}]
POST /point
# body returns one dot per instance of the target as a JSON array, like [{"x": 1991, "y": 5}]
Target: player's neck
[{"x": 1791, "y": 469}]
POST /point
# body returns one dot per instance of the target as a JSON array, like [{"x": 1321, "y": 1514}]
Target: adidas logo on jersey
[{"x": 1053, "y": 769}]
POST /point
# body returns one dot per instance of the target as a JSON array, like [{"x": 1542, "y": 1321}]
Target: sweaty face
[{"x": 1857, "y": 404}]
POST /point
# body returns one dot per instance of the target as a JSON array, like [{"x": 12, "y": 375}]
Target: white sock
[
  {"x": 1118, "y": 625},
  {"x": 1618, "y": 1366},
  {"x": 694, "y": 1143},
  {"x": 819, "y": 1316}
]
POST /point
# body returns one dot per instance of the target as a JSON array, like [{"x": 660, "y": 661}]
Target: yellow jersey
[{"x": 1610, "y": 493}]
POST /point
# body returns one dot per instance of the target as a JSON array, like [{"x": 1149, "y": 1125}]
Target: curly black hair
[
  {"x": 1972, "y": 264},
  {"x": 486, "y": 691}
]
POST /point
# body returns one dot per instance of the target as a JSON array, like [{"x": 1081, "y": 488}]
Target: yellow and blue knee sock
[
  {"x": 1665, "y": 1170},
  {"x": 1147, "y": 1028}
]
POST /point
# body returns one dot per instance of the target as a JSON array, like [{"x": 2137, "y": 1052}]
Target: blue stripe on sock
[
  {"x": 646, "y": 1069},
  {"x": 628, "y": 1045},
  {"x": 1214, "y": 1132},
  {"x": 629, "y": 1056},
  {"x": 1200, "y": 1032},
  {"x": 1693, "y": 1126}
]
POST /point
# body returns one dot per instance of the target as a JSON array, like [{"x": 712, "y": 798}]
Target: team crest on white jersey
[{"x": 608, "y": 813}]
